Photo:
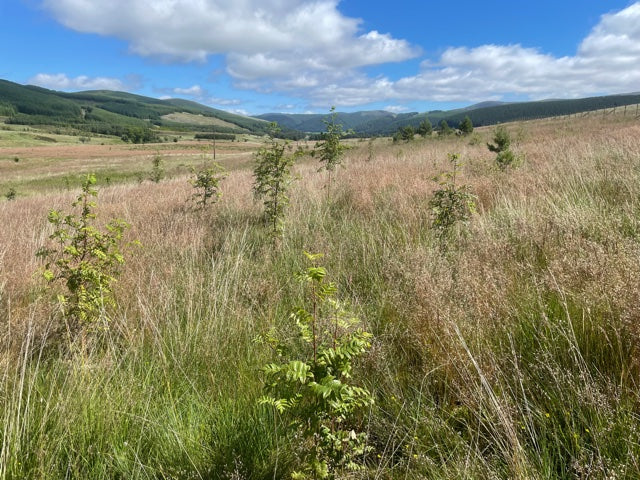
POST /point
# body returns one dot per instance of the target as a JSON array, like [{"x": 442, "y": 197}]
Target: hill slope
[
  {"x": 116, "y": 113},
  {"x": 104, "y": 111},
  {"x": 485, "y": 113}
]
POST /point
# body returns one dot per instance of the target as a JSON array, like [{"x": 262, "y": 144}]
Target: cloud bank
[
  {"x": 310, "y": 50},
  {"x": 60, "y": 81}
]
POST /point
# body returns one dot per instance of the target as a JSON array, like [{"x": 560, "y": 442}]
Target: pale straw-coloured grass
[{"x": 509, "y": 355}]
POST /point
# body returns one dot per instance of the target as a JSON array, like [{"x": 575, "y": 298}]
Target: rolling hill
[
  {"x": 485, "y": 113},
  {"x": 108, "y": 112},
  {"x": 121, "y": 113}
]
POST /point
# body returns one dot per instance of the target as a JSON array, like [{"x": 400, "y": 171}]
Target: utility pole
[{"x": 214, "y": 143}]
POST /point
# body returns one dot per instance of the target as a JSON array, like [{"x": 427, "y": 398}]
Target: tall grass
[{"x": 512, "y": 355}]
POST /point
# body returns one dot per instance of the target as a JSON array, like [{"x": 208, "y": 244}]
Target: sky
[{"x": 300, "y": 56}]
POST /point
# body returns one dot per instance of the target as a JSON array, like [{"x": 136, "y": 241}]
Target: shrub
[
  {"x": 272, "y": 178},
  {"x": 330, "y": 149},
  {"x": 444, "y": 130},
  {"x": 407, "y": 133},
  {"x": 85, "y": 259},
  {"x": 206, "y": 183},
  {"x": 315, "y": 389},
  {"x": 466, "y": 126},
  {"x": 157, "y": 169},
  {"x": 501, "y": 146},
  {"x": 451, "y": 204},
  {"x": 425, "y": 128}
]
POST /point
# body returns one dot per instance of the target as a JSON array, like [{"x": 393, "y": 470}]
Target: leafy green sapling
[
  {"x": 157, "y": 168},
  {"x": 272, "y": 178},
  {"x": 206, "y": 184},
  {"x": 85, "y": 260},
  {"x": 330, "y": 149},
  {"x": 501, "y": 146},
  {"x": 312, "y": 385},
  {"x": 451, "y": 204}
]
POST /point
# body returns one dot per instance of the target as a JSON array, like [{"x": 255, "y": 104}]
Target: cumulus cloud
[
  {"x": 290, "y": 45},
  {"x": 224, "y": 101},
  {"x": 309, "y": 49},
  {"x": 60, "y": 81},
  {"x": 239, "y": 111},
  {"x": 195, "y": 91},
  {"x": 190, "y": 30},
  {"x": 607, "y": 61},
  {"x": 396, "y": 109}
]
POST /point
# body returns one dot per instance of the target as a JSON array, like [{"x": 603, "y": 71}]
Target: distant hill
[
  {"x": 484, "y": 105},
  {"x": 315, "y": 122},
  {"x": 485, "y": 113},
  {"x": 125, "y": 114},
  {"x": 104, "y": 111}
]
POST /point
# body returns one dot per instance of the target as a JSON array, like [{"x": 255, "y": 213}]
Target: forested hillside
[
  {"x": 487, "y": 113},
  {"x": 121, "y": 113},
  {"x": 107, "y": 112}
]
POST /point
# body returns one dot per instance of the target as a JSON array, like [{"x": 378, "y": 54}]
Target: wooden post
[{"x": 214, "y": 143}]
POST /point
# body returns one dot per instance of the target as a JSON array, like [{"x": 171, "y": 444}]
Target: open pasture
[{"x": 41, "y": 165}]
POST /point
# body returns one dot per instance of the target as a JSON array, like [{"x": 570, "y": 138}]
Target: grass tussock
[{"x": 512, "y": 353}]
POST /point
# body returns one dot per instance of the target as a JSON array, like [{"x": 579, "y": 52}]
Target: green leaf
[
  {"x": 298, "y": 371},
  {"x": 312, "y": 257}
]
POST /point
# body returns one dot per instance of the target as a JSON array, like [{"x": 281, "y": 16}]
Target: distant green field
[
  {"x": 33, "y": 160},
  {"x": 23, "y": 136},
  {"x": 193, "y": 119}
]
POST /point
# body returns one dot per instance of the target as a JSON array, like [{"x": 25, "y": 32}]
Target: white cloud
[
  {"x": 309, "y": 49},
  {"x": 61, "y": 81},
  {"x": 607, "y": 61},
  {"x": 190, "y": 30},
  {"x": 291, "y": 45},
  {"x": 396, "y": 108},
  {"x": 196, "y": 91},
  {"x": 223, "y": 101},
  {"x": 239, "y": 111}
]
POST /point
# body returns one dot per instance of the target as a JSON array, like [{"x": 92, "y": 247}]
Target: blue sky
[{"x": 258, "y": 56}]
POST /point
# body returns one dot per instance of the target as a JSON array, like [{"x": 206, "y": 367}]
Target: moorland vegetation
[{"x": 470, "y": 318}]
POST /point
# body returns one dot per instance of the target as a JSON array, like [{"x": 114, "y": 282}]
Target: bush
[
  {"x": 444, "y": 130},
  {"x": 315, "y": 390},
  {"x": 272, "y": 178},
  {"x": 330, "y": 149},
  {"x": 85, "y": 260},
  {"x": 157, "y": 169},
  {"x": 206, "y": 182},
  {"x": 425, "y": 128},
  {"x": 501, "y": 146},
  {"x": 451, "y": 204},
  {"x": 466, "y": 126}
]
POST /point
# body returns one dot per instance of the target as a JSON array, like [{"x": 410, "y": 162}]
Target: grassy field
[
  {"x": 193, "y": 119},
  {"x": 510, "y": 354},
  {"x": 31, "y": 165}
]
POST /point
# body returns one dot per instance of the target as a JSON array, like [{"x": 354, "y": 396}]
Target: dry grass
[
  {"x": 512, "y": 355},
  {"x": 59, "y": 167}
]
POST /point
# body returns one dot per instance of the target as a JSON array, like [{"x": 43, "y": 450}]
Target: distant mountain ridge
[
  {"x": 109, "y": 112},
  {"x": 484, "y": 113}
]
